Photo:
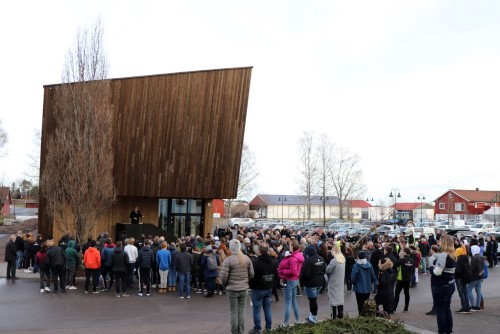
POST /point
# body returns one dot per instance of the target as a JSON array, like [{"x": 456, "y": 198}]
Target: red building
[{"x": 465, "y": 204}]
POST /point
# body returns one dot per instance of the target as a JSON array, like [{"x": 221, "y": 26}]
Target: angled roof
[
  {"x": 358, "y": 203},
  {"x": 407, "y": 206},
  {"x": 264, "y": 199},
  {"x": 475, "y": 195}
]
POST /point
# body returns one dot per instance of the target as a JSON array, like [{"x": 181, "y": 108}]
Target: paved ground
[{"x": 24, "y": 310}]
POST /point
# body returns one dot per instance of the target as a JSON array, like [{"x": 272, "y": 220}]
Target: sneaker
[
  {"x": 199, "y": 291},
  {"x": 220, "y": 293},
  {"x": 27, "y": 271},
  {"x": 72, "y": 287},
  {"x": 188, "y": 297},
  {"x": 95, "y": 292},
  {"x": 47, "y": 289},
  {"x": 153, "y": 286},
  {"x": 459, "y": 311},
  {"x": 140, "y": 294},
  {"x": 148, "y": 294},
  {"x": 431, "y": 312},
  {"x": 67, "y": 287},
  {"x": 118, "y": 295},
  {"x": 86, "y": 291},
  {"x": 465, "y": 312},
  {"x": 42, "y": 290},
  {"x": 124, "y": 295},
  {"x": 254, "y": 331},
  {"x": 181, "y": 297},
  {"x": 475, "y": 309},
  {"x": 311, "y": 319}
]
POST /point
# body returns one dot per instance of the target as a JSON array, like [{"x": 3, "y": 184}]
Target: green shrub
[{"x": 358, "y": 325}]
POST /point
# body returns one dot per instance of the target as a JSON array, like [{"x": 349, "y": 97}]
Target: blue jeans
[
  {"x": 477, "y": 286},
  {"x": 19, "y": 258},
  {"x": 262, "y": 298},
  {"x": 185, "y": 279},
  {"x": 172, "y": 277},
  {"x": 442, "y": 297},
  {"x": 237, "y": 300},
  {"x": 424, "y": 264},
  {"x": 463, "y": 293},
  {"x": 291, "y": 301}
]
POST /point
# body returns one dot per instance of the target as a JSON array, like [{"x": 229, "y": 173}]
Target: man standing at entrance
[
  {"x": 135, "y": 215},
  {"x": 265, "y": 278},
  {"x": 10, "y": 257}
]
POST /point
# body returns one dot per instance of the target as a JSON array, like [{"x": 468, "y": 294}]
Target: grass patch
[{"x": 358, "y": 325}]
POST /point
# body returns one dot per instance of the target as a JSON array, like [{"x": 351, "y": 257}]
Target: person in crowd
[
  {"x": 72, "y": 261},
  {"x": 145, "y": 263},
  {"x": 417, "y": 258},
  {"x": 92, "y": 262},
  {"x": 424, "y": 248},
  {"x": 274, "y": 259},
  {"x": 55, "y": 259},
  {"x": 462, "y": 279},
  {"x": 107, "y": 268},
  {"x": 42, "y": 270},
  {"x": 264, "y": 279},
  {"x": 443, "y": 283},
  {"x": 405, "y": 269},
  {"x": 185, "y": 263},
  {"x": 119, "y": 264},
  {"x": 336, "y": 276},
  {"x": 210, "y": 272},
  {"x": 477, "y": 270},
  {"x": 36, "y": 248},
  {"x": 289, "y": 270},
  {"x": 350, "y": 261},
  {"x": 434, "y": 252},
  {"x": 163, "y": 262},
  {"x": 11, "y": 257},
  {"x": 364, "y": 281},
  {"x": 236, "y": 273},
  {"x": 135, "y": 215},
  {"x": 489, "y": 250},
  {"x": 132, "y": 254},
  {"x": 385, "y": 292},
  {"x": 155, "y": 272},
  {"x": 312, "y": 277},
  {"x": 172, "y": 271},
  {"x": 19, "y": 249}
]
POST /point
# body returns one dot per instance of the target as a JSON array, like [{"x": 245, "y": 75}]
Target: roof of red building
[
  {"x": 475, "y": 195},
  {"x": 407, "y": 206}
]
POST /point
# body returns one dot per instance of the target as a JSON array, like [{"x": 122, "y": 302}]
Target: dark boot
[
  {"x": 333, "y": 312},
  {"x": 340, "y": 311}
]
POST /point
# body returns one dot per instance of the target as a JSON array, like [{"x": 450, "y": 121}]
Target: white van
[{"x": 418, "y": 231}]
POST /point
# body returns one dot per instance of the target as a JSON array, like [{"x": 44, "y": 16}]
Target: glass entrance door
[{"x": 181, "y": 217}]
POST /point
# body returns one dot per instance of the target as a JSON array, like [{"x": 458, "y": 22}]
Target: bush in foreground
[{"x": 358, "y": 325}]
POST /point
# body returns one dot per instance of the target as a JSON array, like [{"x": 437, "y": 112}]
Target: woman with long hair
[
  {"x": 235, "y": 275},
  {"x": 336, "y": 275},
  {"x": 443, "y": 283}
]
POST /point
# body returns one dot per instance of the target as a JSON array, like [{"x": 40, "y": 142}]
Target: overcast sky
[{"x": 412, "y": 87}]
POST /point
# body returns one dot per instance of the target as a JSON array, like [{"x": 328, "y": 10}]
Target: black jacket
[
  {"x": 265, "y": 273},
  {"x": 462, "y": 270},
  {"x": 10, "y": 251},
  {"x": 119, "y": 260},
  {"x": 476, "y": 267},
  {"x": 146, "y": 258},
  {"x": 55, "y": 257},
  {"x": 185, "y": 262},
  {"x": 313, "y": 271},
  {"x": 405, "y": 264}
]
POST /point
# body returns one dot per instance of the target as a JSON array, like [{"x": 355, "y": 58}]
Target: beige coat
[{"x": 235, "y": 277}]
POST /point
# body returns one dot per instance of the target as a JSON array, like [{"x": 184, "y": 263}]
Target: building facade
[
  {"x": 177, "y": 143},
  {"x": 459, "y": 204}
]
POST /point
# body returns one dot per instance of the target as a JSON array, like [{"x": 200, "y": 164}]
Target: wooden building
[
  {"x": 177, "y": 141},
  {"x": 465, "y": 204}
]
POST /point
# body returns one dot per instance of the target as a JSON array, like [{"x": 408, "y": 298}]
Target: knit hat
[{"x": 459, "y": 251}]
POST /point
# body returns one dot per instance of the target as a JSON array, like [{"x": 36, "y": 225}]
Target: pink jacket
[{"x": 289, "y": 268}]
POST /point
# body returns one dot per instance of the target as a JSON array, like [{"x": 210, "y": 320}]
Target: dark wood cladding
[
  {"x": 176, "y": 135},
  {"x": 180, "y": 135}
]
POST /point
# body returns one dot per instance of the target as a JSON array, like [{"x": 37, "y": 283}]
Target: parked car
[
  {"x": 397, "y": 232},
  {"x": 385, "y": 229},
  {"x": 482, "y": 227},
  {"x": 239, "y": 222},
  {"x": 418, "y": 231}
]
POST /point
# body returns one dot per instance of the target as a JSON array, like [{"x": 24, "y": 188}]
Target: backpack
[
  {"x": 212, "y": 263},
  {"x": 485, "y": 272}
]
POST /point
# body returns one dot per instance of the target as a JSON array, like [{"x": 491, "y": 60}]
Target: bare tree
[
  {"x": 308, "y": 169},
  {"x": 78, "y": 167},
  {"x": 248, "y": 173},
  {"x": 325, "y": 158},
  {"x": 3, "y": 140},
  {"x": 346, "y": 177},
  {"x": 34, "y": 157}
]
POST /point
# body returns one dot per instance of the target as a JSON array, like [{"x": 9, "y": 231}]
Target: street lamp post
[
  {"x": 396, "y": 195},
  {"x": 282, "y": 199},
  {"x": 369, "y": 208},
  {"x": 421, "y": 198},
  {"x": 495, "y": 200}
]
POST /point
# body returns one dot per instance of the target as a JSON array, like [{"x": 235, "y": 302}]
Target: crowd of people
[{"x": 261, "y": 263}]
